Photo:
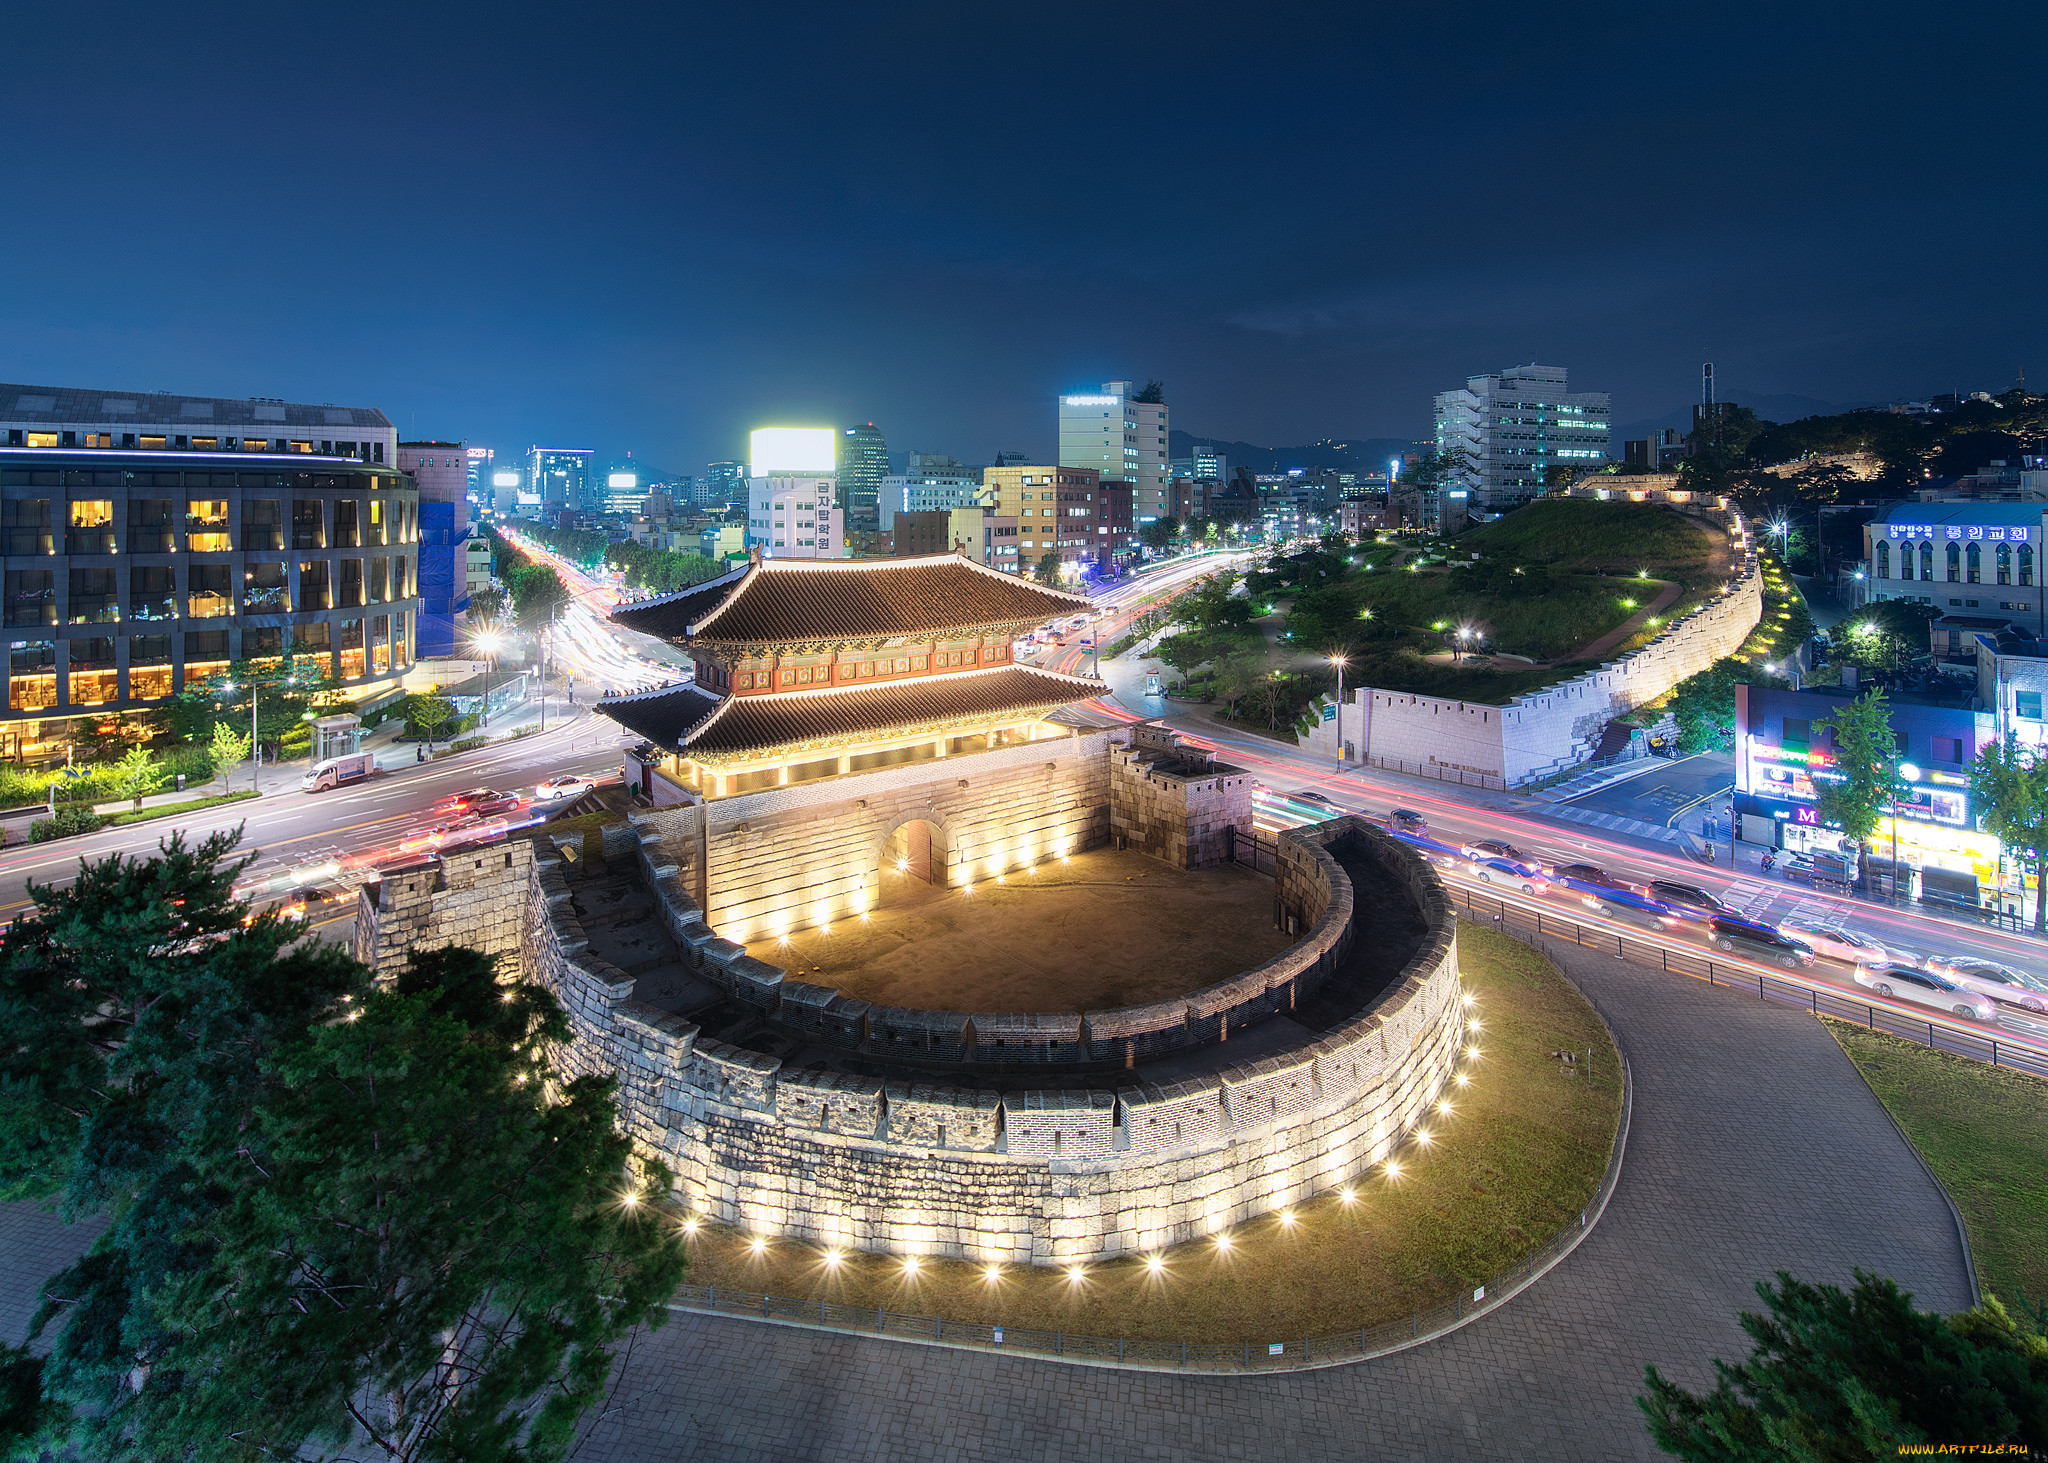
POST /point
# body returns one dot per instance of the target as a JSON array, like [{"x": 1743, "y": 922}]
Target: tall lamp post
[
  {"x": 1338, "y": 662},
  {"x": 256, "y": 684},
  {"x": 488, "y": 644}
]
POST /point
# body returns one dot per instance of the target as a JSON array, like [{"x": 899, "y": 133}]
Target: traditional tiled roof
[
  {"x": 793, "y": 601},
  {"x": 780, "y": 720},
  {"x": 663, "y": 716}
]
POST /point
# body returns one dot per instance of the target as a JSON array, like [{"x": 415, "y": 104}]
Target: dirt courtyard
[{"x": 1102, "y": 929}]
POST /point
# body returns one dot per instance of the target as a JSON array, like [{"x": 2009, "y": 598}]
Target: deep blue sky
[{"x": 654, "y": 227}]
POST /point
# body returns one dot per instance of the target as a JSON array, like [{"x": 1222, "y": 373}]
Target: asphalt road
[
  {"x": 1665, "y": 792},
  {"x": 291, "y": 830}
]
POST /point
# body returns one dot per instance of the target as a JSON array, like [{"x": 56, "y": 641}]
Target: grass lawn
[
  {"x": 1984, "y": 1132},
  {"x": 1521, "y": 1154},
  {"x": 173, "y": 810},
  {"x": 1584, "y": 534}
]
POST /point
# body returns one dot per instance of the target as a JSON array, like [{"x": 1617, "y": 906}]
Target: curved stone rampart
[{"x": 922, "y": 1164}]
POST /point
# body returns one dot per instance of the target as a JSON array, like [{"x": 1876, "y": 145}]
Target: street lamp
[
  {"x": 1909, "y": 773},
  {"x": 1338, "y": 662},
  {"x": 488, "y": 644}
]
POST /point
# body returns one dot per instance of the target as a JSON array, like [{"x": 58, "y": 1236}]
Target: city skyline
[{"x": 1288, "y": 276}]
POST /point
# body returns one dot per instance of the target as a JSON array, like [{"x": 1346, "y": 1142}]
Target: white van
[{"x": 338, "y": 771}]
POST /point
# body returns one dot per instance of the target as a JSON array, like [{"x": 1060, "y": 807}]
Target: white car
[
  {"x": 1842, "y": 945},
  {"x": 2002, "y": 983},
  {"x": 1925, "y": 988},
  {"x": 557, "y": 788}
]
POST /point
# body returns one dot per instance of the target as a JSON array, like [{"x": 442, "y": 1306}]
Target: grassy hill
[{"x": 1587, "y": 536}]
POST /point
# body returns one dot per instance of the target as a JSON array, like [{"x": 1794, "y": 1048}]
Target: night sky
[{"x": 655, "y": 227}]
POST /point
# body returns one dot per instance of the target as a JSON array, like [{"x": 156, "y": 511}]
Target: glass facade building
[{"x": 130, "y": 575}]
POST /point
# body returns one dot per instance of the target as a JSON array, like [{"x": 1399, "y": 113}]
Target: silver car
[
  {"x": 1925, "y": 988},
  {"x": 2002, "y": 983},
  {"x": 1842, "y": 945}
]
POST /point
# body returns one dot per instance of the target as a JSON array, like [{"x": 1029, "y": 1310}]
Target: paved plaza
[{"x": 1754, "y": 1147}]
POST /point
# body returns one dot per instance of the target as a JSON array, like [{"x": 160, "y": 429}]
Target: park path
[{"x": 1754, "y": 1146}]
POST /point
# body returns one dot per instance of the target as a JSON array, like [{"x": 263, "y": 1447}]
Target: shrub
[
  {"x": 524, "y": 731},
  {"x": 470, "y": 744},
  {"x": 68, "y": 823}
]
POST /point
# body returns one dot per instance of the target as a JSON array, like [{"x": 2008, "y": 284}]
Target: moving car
[
  {"x": 1687, "y": 901},
  {"x": 1842, "y": 945},
  {"x": 1758, "y": 941},
  {"x": 1925, "y": 988},
  {"x": 557, "y": 788},
  {"x": 482, "y": 800},
  {"x": 2002, "y": 983},
  {"x": 1526, "y": 877},
  {"x": 1486, "y": 848},
  {"x": 1406, "y": 820}
]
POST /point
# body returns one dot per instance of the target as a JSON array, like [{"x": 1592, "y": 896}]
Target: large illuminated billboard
[
  {"x": 504, "y": 479},
  {"x": 622, "y": 480},
  {"x": 792, "y": 450}
]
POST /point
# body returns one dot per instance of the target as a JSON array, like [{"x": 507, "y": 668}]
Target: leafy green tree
[
  {"x": 426, "y": 716},
  {"x": 486, "y": 605},
  {"x": 349, "y": 1220},
  {"x": 226, "y": 747},
  {"x": 1704, "y": 707},
  {"x": 1835, "y": 1378},
  {"x": 1855, "y": 791},
  {"x": 135, "y": 775},
  {"x": 2009, "y": 788},
  {"x": 537, "y": 591},
  {"x": 1048, "y": 570},
  {"x": 1160, "y": 532}
]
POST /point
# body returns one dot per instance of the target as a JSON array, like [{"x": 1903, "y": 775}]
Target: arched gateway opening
[{"x": 919, "y": 849}]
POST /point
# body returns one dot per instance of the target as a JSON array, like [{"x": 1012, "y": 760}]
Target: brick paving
[{"x": 1755, "y": 1147}]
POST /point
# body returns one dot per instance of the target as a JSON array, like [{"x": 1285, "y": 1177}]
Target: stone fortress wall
[
  {"x": 914, "y": 1163},
  {"x": 929, "y": 1159},
  {"x": 1542, "y": 732}
]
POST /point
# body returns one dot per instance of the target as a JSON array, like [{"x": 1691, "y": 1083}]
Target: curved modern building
[{"x": 151, "y": 541}]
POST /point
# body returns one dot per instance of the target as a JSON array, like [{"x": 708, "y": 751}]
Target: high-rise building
[
  {"x": 863, "y": 463},
  {"x": 559, "y": 477},
  {"x": 625, "y": 487},
  {"x": 1121, "y": 434},
  {"x": 1056, "y": 510},
  {"x": 151, "y": 541},
  {"x": 477, "y": 486},
  {"x": 725, "y": 483},
  {"x": 792, "y": 493},
  {"x": 927, "y": 488},
  {"x": 1513, "y": 428},
  {"x": 441, "y": 470}
]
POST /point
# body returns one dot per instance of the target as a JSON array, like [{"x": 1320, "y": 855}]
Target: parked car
[
  {"x": 1842, "y": 945},
  {"x": 1925, "y": 988},
  {"x": 1526, "y": 877},
  {"x": 2002, "y": 983},
  {"x": 1758, "y": 941},
  {"x": 557, "y": 788},
  {"x": 1687, "y": 901}
]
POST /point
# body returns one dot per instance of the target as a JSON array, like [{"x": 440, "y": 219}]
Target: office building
[
  {"x": 722, "y": 540},
  {"x": 1121, "y": 437},
  {"x": 932, "y": 485},
  {"x": 558, "y": 478},
  {"x": 1116, "y": 528},
  {"x": 863, "y": 463},
  {"x": 1055, "y": 509},
  {"x": 440, "y": 471},
  {"x": 1661, "y": 451},
  {"x": 479, "y": 465},
  {"x": 1203, "y": 464},
  {"x": 792, "y": 494},
  {"x": 133, "y": 573},
  {"x": 625, "y": 487},
  {"x": 725, "y": 484},
  {"x": 476, "y": 564},
  {"x": 1513, "y": 428}
]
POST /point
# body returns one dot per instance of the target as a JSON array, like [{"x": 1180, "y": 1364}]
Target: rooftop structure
[
  {"x": 155, "y": 421},
  {"x": 812, "y": 669}
]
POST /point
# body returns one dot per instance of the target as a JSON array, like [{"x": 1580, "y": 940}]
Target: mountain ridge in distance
[{"x": 1347, "y": 454}]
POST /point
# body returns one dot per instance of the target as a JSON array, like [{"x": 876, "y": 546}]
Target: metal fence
[
  {"x": 1442, "y": 774},
  {"x": 1938, "y": 1032},
  {"x": 1193, "y": 1356},
  {"x": 1262, "y": 855}
]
